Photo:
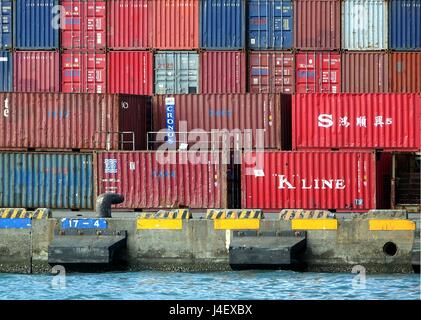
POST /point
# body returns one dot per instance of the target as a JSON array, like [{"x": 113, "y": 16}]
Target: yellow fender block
[
  {"x": 314, "y": 224},
  {"x": 391, "y": 225}
]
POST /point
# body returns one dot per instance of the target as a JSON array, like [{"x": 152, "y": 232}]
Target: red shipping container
[
  {"x": 64, "y": 121},
  {"x": 342, "y": 181},
  {"x": 36, "y": 71},
  {"x": 318, "y": 72},
  {"x": 84, "y": 25},
  {"x": 373, "y": 121},
  {"x": 152, "y": 180},
  {"x": 405, "y": 72},
  {"x": 83, "y": 72},
  {"x": 271, "y": 72},
  {"x": 237, "y": 113},
  {"x": 175, "y": 24},
  {"x": 223, "y": 72},
  {"x": 365, "y": 72},
  {"x": 317, "y": 24},
  {"x": 130, "y": 72},
  {"x": 128, "y": 24}
]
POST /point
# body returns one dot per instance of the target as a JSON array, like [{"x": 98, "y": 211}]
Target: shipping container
[
  {"x": 83, "y": 72},
  {"x": 364, "y": 24},
  {"x": 239, "y": 114},
  {"x": 361, "y": 121},
  {"x": 318, "y": 72},
  {"x": 36, "y": 71},
  {"x": 6, "y": 35},
  {"x": 317, "y": 24},
  {"x": 270, "y": 24},
  {"x": 340, "y": 181},
  {"x": 176, "y": 72},
  {"x": 175, "y": 24},
  {"x": 405, "y": 24},
  {"x": 365, "y": 72},
  {"x": 130, "y": 72},
  {"x": 223, "y": 72},
  {"x": 36, "y": 24},
  {"x": 152, "y": 180},
  {"x": 271, "y": 72},
  {"x": 72, "y": 121},
  {"x": 405, "y": 72},
  {"x": 84, "y": 26},
  {"x": 222, "y": 24},
  {"x": 128, "y": 24},
  {"x": 41, "y": 180},
  {"x": 6, "y": 71}
]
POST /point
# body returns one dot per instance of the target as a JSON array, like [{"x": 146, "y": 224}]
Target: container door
[{"x": 6, "y": 25}]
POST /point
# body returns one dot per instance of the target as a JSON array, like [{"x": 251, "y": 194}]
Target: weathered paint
[
  {"x": 6, "y": 35},
  {"x": 405, "y": 24},
  {"x": 236, "y": 224},
  {"x": 364, "y": 24},
  {"x": 314, "y": 224},
  {"x": 359, "y": 121},
  {"x": 159, "y": 224},
  {"x": 405, "y": 71},
  {"x": 149, "y": 180},
  {"x": 344, "y": 181},
  {"x": 391, "y": 225},
  {"x": 41, "y": 180},
  {"x": 6, "y": 71}
]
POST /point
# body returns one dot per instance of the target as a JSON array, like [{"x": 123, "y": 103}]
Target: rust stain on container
[{"x": 405, "y": 71}]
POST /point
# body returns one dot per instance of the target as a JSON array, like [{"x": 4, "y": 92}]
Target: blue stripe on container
[
  {"x": 6, "y": 71},
  {"x": 6, "y": 24}
]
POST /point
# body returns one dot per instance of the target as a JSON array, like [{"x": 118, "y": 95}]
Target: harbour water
[{"x": 266, "y": 285}]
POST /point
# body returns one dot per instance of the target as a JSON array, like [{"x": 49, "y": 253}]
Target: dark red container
[
  {"x": 405, "y": 71},
  {"x": 223, "y": 72},
  {"x": 357, "y": 121},
  {"x": 65, "y": 121},
  {"x": 152, "y": 180}
]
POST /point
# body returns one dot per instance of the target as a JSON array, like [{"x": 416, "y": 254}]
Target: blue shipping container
[
  {"x": 6, "y": 71},
  {"x": 405, "y": 24},
  {"x": 222, "y": 24},
  {"x": 6, "y": 24},
  {"x": 36, "y": 24},
  {"x": 41, "y": 180},
  {"x": 270, "y": 24}
]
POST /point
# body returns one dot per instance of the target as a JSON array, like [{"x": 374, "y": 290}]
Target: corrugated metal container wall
[
  {"x": 317, "y": 24},
  {"x": 318, "y": 72},
  {"x": 232, "y": 112},
  {"x": 84, "y": 25},
  {"x": 270, "y": 24},
  {"x": 405, "y": 24},
  {"x": 365, "y": 72},
  {"x": 222, "y": 24},
  {"x": 148, "y": 181},
  {"x": 175, "y": 24},
  {"x": 36, "y": 71},
  {"x": 345, "y": 181},
  {"x": 6, "y": 24},
  {"x": 360, "y": 121},
  {"x": 271, "y": 72},
  {"x": 405, "y": 72},
  {"x": 6, "y": 71},
  {"x": 176, "y": 72},
  {"x": 130, "y": 72},
  {"x": 223, "y": 72},
  {"x": 83, "y": 72},
  {"x": 65, "y": 121},
  {"x": 364, "y": 24},
  {"x": 39, "y": 180},
  {"x": 36, "y": 24},
  {"x": 128, "y": 24}
]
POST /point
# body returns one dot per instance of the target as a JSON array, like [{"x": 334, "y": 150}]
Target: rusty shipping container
[
  {"x": 365, "y": 72},
  {"x": 241, "y": 114},
  {"x": 223, "y": 72},
  {"x": 175, "y": 24},
  {"x": 66, "y": 121},
  {"x": 36, "y": 71},
  {"x": 130, "y": 72},
  {"x": 359, "y": 121},
  {"x": 152, "y": 180},
  {"x": 405, "y": 71},
  {"x": 317, "y": 24},
  {"x": 128, "y": 24},
  {"x": 341, "y": 181},
  {"x": 271, "y": 72}
]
